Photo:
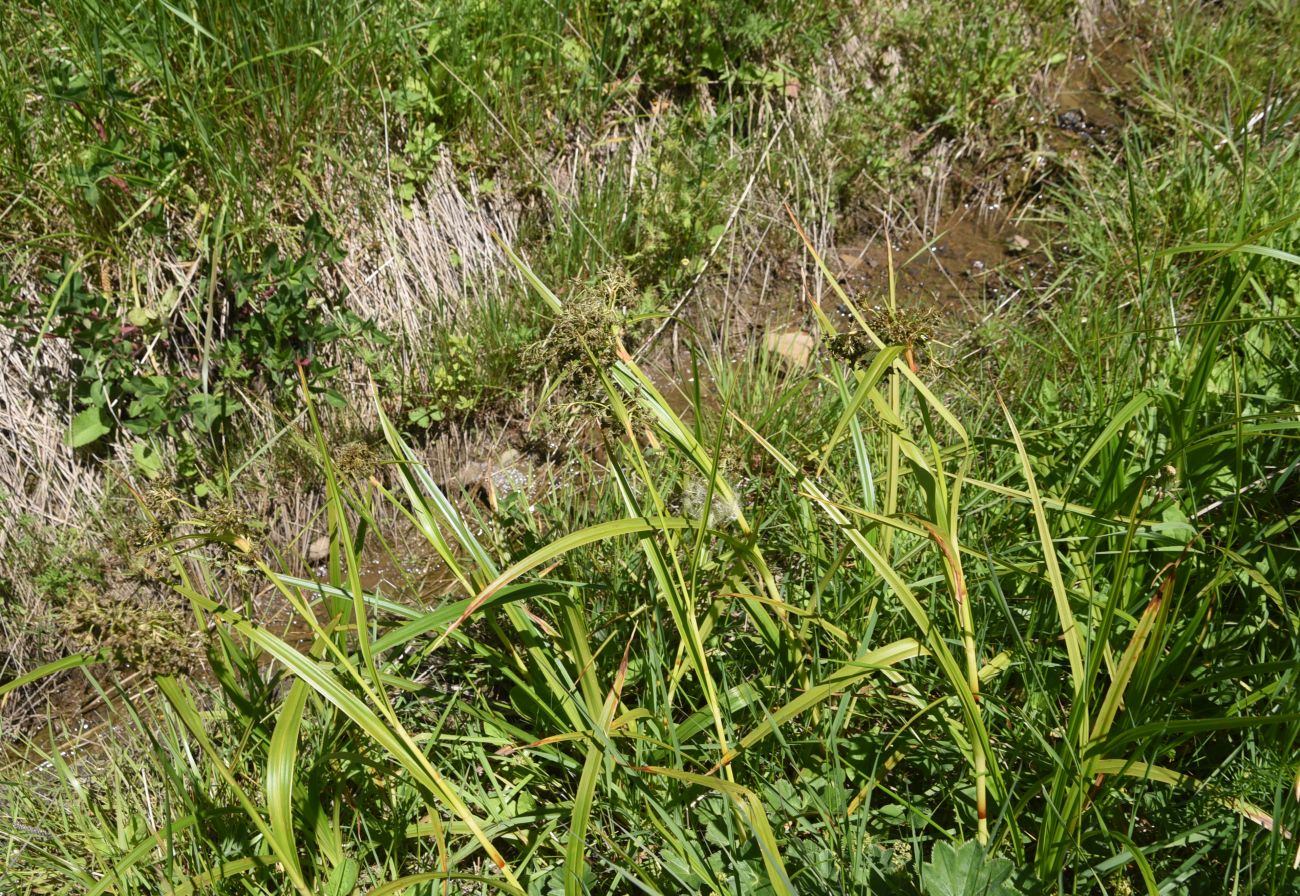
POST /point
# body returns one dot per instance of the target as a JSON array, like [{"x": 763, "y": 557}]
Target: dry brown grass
[
  {"x": 40, "y": 478},
  {"x": 412, "y": 272}
]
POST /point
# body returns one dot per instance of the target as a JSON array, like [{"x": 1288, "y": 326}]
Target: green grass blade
[
  {"x": 1065, "y": 615},
  {"x": 1118, "y": 421},
  {"x": 847, "y": 675},
  {"x": 63, "y": 664},
  {"x": 534, "y": 281},
  {"x": 1124, "y": 670},
  {"x": 138, "y": 853},
  {"x": 560, "y": 547},
  {"x": 866, "y": 383},
  {"x": 396, "y": 742},
  {"x": 432, "y": 507},
  {"x": 191, "y": 718},
  {"x": 281, "y": 761},
  {"x": 575, "y": 854},
  {"x": 1220, "y": 250},
  {"x": 751, "y": 809},
  {"x": 427, "y": 877}
]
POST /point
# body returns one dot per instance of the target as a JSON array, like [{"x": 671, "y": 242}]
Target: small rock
[
  {"x": 850, "y": 261},
  {"x": 1017, "y": 244},
  {"x": 319, "y": 549},
  {"x": 794, "y": 346},
  {"x": 502, "y": 476},
  {"x": 470, "y": 476},
  {"x": 1073, "y": 120}
]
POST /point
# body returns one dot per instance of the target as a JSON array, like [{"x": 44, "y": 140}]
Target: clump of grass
[{"x": 683, "y": 719}]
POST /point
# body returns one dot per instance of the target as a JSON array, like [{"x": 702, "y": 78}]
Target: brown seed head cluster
[
  {"x": 908, "y": 327},
  {"x": 357, "y": 459},
  {"x": 137, "y": 638},
  {"x": 586, "y": 329},
  {"x": 584, "y": 341},
  {"x": 161, "y": 503}
]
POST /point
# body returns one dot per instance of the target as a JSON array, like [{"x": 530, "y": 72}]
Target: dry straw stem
[
  {"x": 40, "y": 479},
  {"x": 412, "y": 272}
]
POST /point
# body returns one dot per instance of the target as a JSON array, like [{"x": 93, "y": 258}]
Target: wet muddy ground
[
  {"x": 975, "y": 258},
  {"x": 984, "y": 251}
]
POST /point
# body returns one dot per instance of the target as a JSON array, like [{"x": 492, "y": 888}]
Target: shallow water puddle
[
  {"x": 1094, "y": 89},
  {"x": 976, "y": 256}
]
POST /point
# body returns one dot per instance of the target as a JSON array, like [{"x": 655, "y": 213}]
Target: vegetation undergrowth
[{"x": 894, "y": 621}]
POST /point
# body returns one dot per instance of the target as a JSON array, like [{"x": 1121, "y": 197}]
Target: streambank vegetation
[{"x": 594, "y": 447}]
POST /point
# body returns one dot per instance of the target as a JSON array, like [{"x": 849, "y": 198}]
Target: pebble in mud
[{"x": 1073, "y": 120}]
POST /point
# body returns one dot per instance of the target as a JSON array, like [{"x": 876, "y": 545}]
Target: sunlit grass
[{"x": 872, "y": 626}]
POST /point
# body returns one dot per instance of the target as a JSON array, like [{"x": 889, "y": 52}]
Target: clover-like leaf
[{"x": 966, "y": 872}]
